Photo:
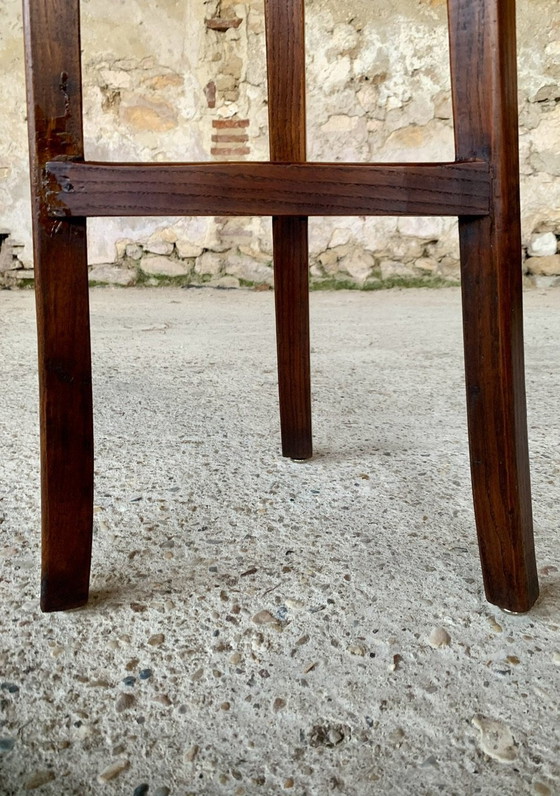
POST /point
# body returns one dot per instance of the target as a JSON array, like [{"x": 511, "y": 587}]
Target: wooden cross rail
[
  {"x": 481, "y": 187},
  {"x": 267, "y": 189}
]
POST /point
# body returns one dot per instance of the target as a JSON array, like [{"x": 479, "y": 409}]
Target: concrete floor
[{"x": 259, "y": 626}]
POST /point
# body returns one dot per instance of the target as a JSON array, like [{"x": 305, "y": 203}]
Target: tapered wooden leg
[
  {"x": 65, "y": 416},
  {"x": 485, "y": 102},
  {"x": 286, "y": 104},
  {"x": 55, "y": 124},
  {"x": 292, "y": 334}
]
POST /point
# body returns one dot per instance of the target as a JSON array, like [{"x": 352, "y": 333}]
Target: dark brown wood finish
[
  {"x": 307, "y": 189},
  {"x": 482, "y": 188},
  {"x": 55, "y": 131},
  {"x": 285, "y": 54},
  {"x": 483, "y": 56}
]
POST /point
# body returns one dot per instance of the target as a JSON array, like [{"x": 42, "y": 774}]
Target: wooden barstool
[{"x": 481, "y": 187}]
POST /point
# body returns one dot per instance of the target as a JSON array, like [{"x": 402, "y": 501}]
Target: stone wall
[{"x": 182, "y": 80}]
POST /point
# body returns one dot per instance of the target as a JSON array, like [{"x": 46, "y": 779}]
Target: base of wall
[{"x": 354, "y": 270}]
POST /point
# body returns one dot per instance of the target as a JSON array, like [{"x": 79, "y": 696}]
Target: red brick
[
  {"x": 210, "y": 93},
  {"x": 232, "y": 150},
  {"x": 222, "y": 24},
  {"x": 224, "y": 138},
  {"x": 223, "y": 124}
]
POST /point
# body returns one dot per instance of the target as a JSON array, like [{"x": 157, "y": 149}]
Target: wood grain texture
[
  {"x": 482, "y": 188},
  {"x": 285, "y": 53},
  {"x": 483, "y": 53},
  {"x": 291, "y": 293},
  {"x": 285, "y": 48},
  {"x": 55, "y": 130},
  {"x": 306, "y": 189}
]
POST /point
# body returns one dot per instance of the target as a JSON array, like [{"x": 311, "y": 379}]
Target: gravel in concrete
[{"x": 259, "y": 626}]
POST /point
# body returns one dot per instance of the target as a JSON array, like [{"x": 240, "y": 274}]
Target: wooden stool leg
[
  {"x": 291, "y": 292},
  {"x": 55, "y": 120},
  {"x": 286, "y": 102},
  {"x": 483, "y": 56}
]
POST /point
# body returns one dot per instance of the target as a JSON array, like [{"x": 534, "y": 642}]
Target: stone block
[
  {"x": 209, "y": 263},
  {"x": 120, "y": 248},
  {"x": 544, "y": 266},
  {"x": 112, "y": 274},
  {"x": 134, "y": 251},
  {"x": 376, "y": 233},
  {"x": 186, "y": 249},
  {"x": 426, "y": 265},
  {"x": 340, "y": 237},
  {"x": 225, "y": 283},
  {"x": 546, "y": 154},
  {"x": 192, "y": 234},
  {"x": 248, "y": 269},
  {"x": 158, "y": 246},
  {"x": 330, "y": 259},
  {"x": 23, "y": 273},
  {"x": 256, "y": 254},
  {"x": 390, "y": 268},
  {"x": 543, "y": 245},
  {"x": 164, "y": 266},
  {"x": 406, "y": 248},
  {"x": 546, "y": 281},
  {"x": 7, "y": 260},
  {"x": 358, "y": 263},
  {"x": 427, "y": 228},
  {"x": 168, "y": 234},
  {"x": 449, "y": 268},
  {"x": 316, "y": 271},
  {"x": 320, "y": 232}
]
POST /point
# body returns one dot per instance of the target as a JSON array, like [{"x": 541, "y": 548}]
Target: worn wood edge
[{"x": 265, "y": 189}]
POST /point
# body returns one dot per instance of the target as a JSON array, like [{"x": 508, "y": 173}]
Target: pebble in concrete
[
  {"x": 113, "y": 771},
  {"x": 541, "y": 789},
  {"x": 439, "y": 637},
  {"x": 265, "y": 618},
  {"x": 496, "y": 739},
  {"x": 124, "y": 702},
  {"x": 38, "y": 779}
]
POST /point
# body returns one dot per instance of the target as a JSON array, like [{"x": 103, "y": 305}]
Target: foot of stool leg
[{"x": 497, "y": 419}]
